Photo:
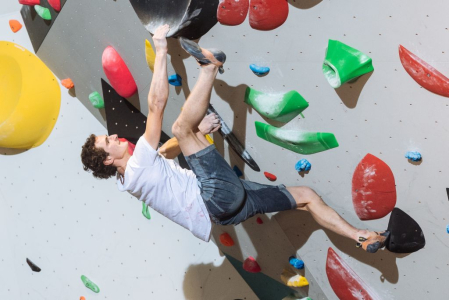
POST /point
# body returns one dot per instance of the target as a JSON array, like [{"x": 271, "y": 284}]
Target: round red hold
[
  {"x": 226, "y": 240},
  {"x": 270, "y": 176},
  {"x": 251, "y": 265}
]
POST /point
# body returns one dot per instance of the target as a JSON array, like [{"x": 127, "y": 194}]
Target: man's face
[{"x": 112, "y": 145}]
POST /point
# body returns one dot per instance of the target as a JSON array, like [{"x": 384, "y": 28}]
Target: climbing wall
[{"x": 384, "y": 113}]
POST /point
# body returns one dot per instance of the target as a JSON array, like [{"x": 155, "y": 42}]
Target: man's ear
[{"x": 108, "y": 161}]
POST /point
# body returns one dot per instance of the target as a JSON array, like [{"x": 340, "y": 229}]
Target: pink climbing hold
[
  {"x": 30, "y": 2},
  {"x": 226, "y": 239},
  {"x": 270, "y": 176},
  {"x": 118, "y": 73},
  {"x": 56, "y": 4},
  {"x": 251, "y": 265},
  {"x": 259, "y": 220}
]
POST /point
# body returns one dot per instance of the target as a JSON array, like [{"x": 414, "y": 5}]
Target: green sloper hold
[
  {"x": 43, "y": 12},
  {"x": 297, "y": 141},
  {"x": 89, "y": 284},
  {"x": 279, "y": 107},
  {"x": 96, "y": 100},
  {"x": 145, "y": 211},
  {"x": 344, "y": 63}
]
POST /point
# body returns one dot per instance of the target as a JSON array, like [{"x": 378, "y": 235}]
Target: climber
[{"x": 210, "y": 192}]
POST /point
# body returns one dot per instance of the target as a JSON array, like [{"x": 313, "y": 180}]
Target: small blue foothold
[
  {"x": 297, "y": 263},
  {"x": 259, "y": 71},
  {"x": 413, "y": 155},
  {"x": 303, "y": 165},
  {"x": 447, "y": 228},
  {"x": 237, "y": 171},
  {"x": 175, "y": 80}
]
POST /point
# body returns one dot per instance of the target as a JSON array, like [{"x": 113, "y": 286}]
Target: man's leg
[{"x": 306, "y": 199}]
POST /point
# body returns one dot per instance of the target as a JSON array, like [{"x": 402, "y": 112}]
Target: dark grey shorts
[{"x": 231, "y": 200}]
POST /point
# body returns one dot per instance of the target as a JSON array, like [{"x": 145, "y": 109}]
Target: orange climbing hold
[
  {"x": 30, "y": 2},
  {"x": 82, "y": 298},
  {"x": 251, "y": 265},
  {"x": 68, "y": 83},
  {"x": 15, "y": 25},
  {"x": 270, "y": 176},
  {"x": 226, "y": 240}
]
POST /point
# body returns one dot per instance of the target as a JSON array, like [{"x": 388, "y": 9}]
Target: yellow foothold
[
  {"x": 209, "y": 139},
  {"x": 292, "y": 279},
  {"x": 150, "y": 55}
]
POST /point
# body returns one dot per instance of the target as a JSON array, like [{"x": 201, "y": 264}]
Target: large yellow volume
[{"x": 30, "y": 98}]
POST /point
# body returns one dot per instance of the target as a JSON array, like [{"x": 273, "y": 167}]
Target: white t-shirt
[{"x": 166, "y": 187}]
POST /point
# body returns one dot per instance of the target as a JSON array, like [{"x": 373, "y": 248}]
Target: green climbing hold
[
  {"x": 43, "y": 12},
  {"x": 279, "y": 107},
  {"x": 145, "y": 211},
  {"x": 297, "y": 141},
  {"x": 89, "y": 284},
  {"x": 96, "y": 100},
  {"x": 344, "y": 63}
]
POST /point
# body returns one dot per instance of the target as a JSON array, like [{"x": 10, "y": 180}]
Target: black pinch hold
[
  {"x": 406, "y": 236},
  {"x": 33, "y": 266}
]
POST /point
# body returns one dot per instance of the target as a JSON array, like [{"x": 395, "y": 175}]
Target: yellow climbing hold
[
  {"x": 30, "y": 98},
  {"x": 293, "y": 279},
  {"x": 209, "y": 139},
  {"x": 150, "y": 55}
]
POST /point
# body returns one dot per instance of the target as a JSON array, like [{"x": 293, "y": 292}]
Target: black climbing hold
[
  {"x": 406, "y": 236},
  {"x": 447, "y": 191},
  {"x": 33, "y": 266}
]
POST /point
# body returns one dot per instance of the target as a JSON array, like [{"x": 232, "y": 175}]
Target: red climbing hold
[
  {"x": 15, "y": 25},
  {"x": 259, "y": 220},
  {"x": 344, "y": 281},
  {"x": 30, "y": 2},
  {"x": 423, "y": 73},
  {"x": 251, "y": 265},
  {"x": 56, "y": 4},
  {"x": 226, "y": 240},
  {"x": 118, "y": 73},
  {"x": 373, "y": 189},
  {"x": 267, "y": 14},
  {"x": 131, "y": 146},
  {"x": 270, "y": 176},
  {"x": 232, "y": 12}
]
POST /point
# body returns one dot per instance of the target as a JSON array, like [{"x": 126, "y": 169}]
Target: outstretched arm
[{"x": 158, "y": 95}]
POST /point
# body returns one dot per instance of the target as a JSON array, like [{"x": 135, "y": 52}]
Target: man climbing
[{"x": 210, "y": 192}]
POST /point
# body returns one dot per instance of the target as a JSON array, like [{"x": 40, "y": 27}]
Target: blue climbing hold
[
  {"x": 175, "y": 80},
  {"x": 297, "y": 263},
  {"x": 237, "y": 171},
  {"x": 303, "y": 165},
  {"x": 447, "y": 228},
  {"x": 259, "y": 71},
  {"x": 413, "y": 155}
]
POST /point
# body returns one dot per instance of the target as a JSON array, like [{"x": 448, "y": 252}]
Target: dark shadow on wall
[
  {"x": 304, "y": 4},
  {"x": 10, "y": 151},
  {"x": 349, "y": 93}
]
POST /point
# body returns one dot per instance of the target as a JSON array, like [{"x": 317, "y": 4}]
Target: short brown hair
[{"x": 93, "y": 158}]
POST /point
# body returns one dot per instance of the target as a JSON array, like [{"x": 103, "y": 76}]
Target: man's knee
[
  {"x": 180, "y": 131},
  {"x": 304, "y": 196}
]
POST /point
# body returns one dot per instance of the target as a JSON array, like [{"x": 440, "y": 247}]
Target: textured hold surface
[
  {"x": 56, "y": 4},
  {"x": 33, "y": 266},
  {"x": 270, "y": 176},
  {"x": 297, "y": 263},
  {"x": 344, "y": 63},
  {"x": 251, "y": 265},
  {"x": 282, "y": 107},
  {"x": 34, "y": 98},
  {"x": 96, "y": 100},
  {"x": 118, "y": 73},
  {"x": 43, "y": 12},
  {"x": 30, "y": 2},
  {"x": 406, "y": 236},
  {"x": 297, "y": 141},
  {"x": 145, "y": 209},
  {"x": 258, "y": 70},
  {"x": 232, "y": 12},
  {"x": 345, "y": 282},
  {"x": 267, "y": 14},
  {"x": 150, "y": 55},
  {"x": 303, "y": 165},
  {"x": 413, "y": 155},
  {"x": 292, "y": 279},
  {"x": 67, "y": 83},
  {"x": 423, "y": 73},
  {"x": 373, "y": 189},
  {"x": 89, "y": 284},
  {"x": 15, "y": 25},
  {"x": 175, "y": 80},
  {"x": 226, "y": 240}
]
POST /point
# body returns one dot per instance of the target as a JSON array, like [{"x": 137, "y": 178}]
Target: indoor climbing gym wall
[{"x": 347, "y": 97}]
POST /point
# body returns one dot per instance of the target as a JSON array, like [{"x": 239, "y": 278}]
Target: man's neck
[{"x": 121, "y": 165}]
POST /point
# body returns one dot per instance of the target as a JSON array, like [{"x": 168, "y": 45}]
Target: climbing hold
[
  {"x": 82, "y": 298},
  {"x": 258, "y": 70},
  {"x": 413, "y": 155},
  {"x": 303, "y": 165},
  {"x": 280, "y": 107},
  {"x": 150, "y": 55},
  {"x": 447, "y": 228},
  {"x": 145, "y": 209},
  {"x": 297, "y": 141},
  {"x": 15, "y": 25},
  {"x": 259, "y": 220},
  {"x": 292, "y": 279},
  {"x": 373, "y": 189},
  {"x": 56, "y": 4},
  {"x": 232, "y": 12},
  {"x": 68, "y": 83},
  {"x": 43, "y": 12},
  {"x": 270, "y": 176},
  {"x": 34, "y": 98},
  {"x": 175, "y": 80},
  {"x": 237, "y": 171},
  {"x": 131, "y": 146},
  {"x": 226, "y": 240},
  {"x": 406, "y": 236},
  {"x": 89, "y": 284},
  {"x": 30, "y": 2},
  {"x": 293, "y": 297},
  {"x": 344, "y": 281},
  {"x": 251, "y": 265},
  {"x": 118, "y": 73},
  {"x": 423, "y": 73},
  {"x": 209, "y": 139},
  {"x": 267, "y": 14},
  {"x": 33, "y": 266},
  {"x": 344, "y": 63},
  {"x": 96, "y": 100},
  {"x": 297, "y": 263}
]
